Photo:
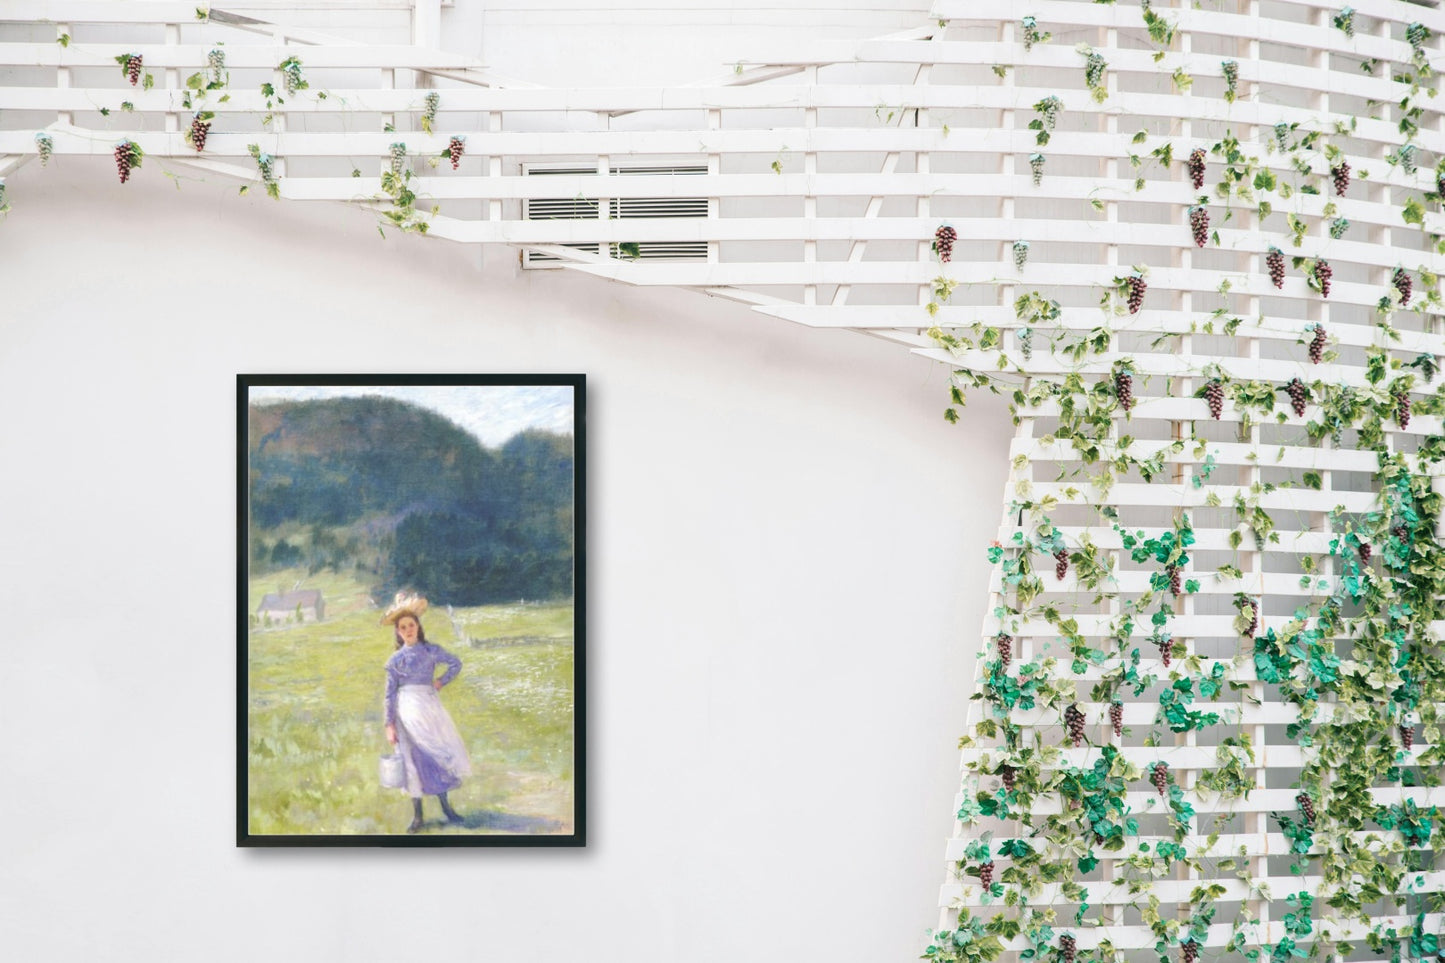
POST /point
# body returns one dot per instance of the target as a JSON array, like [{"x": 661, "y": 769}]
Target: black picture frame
[{"x": 341, "y": 488}]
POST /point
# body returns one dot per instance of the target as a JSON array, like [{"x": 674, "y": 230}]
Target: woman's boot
[
  {"x": 447, "y": 809},
  {"x": 416, "y": 815}
]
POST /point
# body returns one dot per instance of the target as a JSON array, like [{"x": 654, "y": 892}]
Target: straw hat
[{"x": 407, "y": 603}]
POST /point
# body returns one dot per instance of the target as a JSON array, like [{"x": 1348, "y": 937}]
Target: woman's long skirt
[{"x": 432, "y": 749}]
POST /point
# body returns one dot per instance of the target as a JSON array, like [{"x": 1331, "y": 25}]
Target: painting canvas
[{"x": 411, "y": 601}]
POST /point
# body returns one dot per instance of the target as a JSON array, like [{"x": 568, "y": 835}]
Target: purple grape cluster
[
  {"x": 133, "y": 65},
  {"x": 1253, "y": 617},
  {"x": 1137, "y": 287},
  {"x": 1124, "y": 389},
  {"x": 943, "y": 239},
  {"x": 1340, "y": 173},
  {"x": 1299, "y": 395},
  {"x": 1365, "y": 553},
  {"x": 1004, "y": 642},
  {"x": 124, "y": 159},
  {"x": 1074, "y": 719},
  {"x": 1009, "y": 776},
  {"x": 1274, "y": 260},
  {"x": 1176, "y": 581},
  {"x": 1061, "y": 564},
  {"x": 1400, "y": 533},
  {"x": 1214, "y": 394},
  {"x": 1188, "y": 951},
  {"x": 1199, "y": 224},
  {"x": 1196, "y": 167},
  {"x": 1116, "y": 718},
  {"x": 1306, "y": 806},
  {"x": 1402, "y": 408},
  {"x": 1407, "y": 737},
  {"x": 1317, "y": 345},
  {"x": 1323, "y": 272},
  {"x": 1403, "y": 284},
  {"x": 1159, "y": 776},
  {"x": 199, "y": 130},
  {"x": 985, "y": 873},
  {"x": 455, "y": 149},
  {"x": 1067, "y": 948},
  {"x": 1166, "y": 651}
]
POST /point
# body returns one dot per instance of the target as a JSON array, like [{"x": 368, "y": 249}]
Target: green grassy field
[{"x": 316, "y": 729}]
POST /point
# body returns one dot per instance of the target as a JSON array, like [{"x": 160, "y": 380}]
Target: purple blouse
[{"x": 416, "y": 665}]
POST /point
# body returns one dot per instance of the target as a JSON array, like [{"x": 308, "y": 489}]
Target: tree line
[{"x": 403, "y": 498}]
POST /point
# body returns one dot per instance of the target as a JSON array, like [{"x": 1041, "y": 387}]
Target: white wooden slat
[
  {"x": 1205, "y": 540},
  {"x": 1219, "y": 934},
  {"x": 1178, "y": 890},
  {"x": 1259, "y": 800},
  {"x": 1221, "y": 846},
  {"x": 1168, "y": 365},
  {"x": 238, "y": 56},
  {"x": 1049, "y": 646},
  {"x": 1177, "y": 757},
  {"x": 1145, "y": 713},
  {"x": 1187, "y": 409},
  {"x": 1170, "y": 496},
  {"x": 908, "y": 272},
  {"x": 1154, "y": 321},
  {"x": 98, "y": 11},
  {"x": 980, "y": 52},
  {"x": 1276, "y": 584},
  {"x": 869, "y": 99},
  {"x": 1098, "y": 627},
  {"x": 1051, "y": 13}
]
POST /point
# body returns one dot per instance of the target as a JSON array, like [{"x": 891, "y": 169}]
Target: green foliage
[
  {"x": 970, "y": 942},
  {"x": 404, "y": 496},
  {"x": 1161, "y": 31},
  {"x": 403, "y": 213}
]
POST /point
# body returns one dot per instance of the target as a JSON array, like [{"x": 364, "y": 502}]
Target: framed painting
[{"x": 411, "y": 601}]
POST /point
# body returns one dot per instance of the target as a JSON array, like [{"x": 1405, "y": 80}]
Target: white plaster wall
[{"x": 787, "y": 578}]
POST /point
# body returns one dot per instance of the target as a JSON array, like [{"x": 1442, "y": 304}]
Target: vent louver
[{"x": 619, "y": 209}]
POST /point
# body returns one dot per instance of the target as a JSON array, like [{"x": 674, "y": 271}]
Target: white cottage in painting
[{"x": 303, "y": 606}]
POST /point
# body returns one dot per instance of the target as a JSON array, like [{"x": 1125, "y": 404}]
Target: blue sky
[{"x": 493, "y": 413}]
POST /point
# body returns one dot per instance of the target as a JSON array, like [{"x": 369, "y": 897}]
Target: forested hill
[{"x": 394, "y": 490}]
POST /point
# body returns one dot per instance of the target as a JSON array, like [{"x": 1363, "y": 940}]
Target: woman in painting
[{"x": 432, "y": 751}]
